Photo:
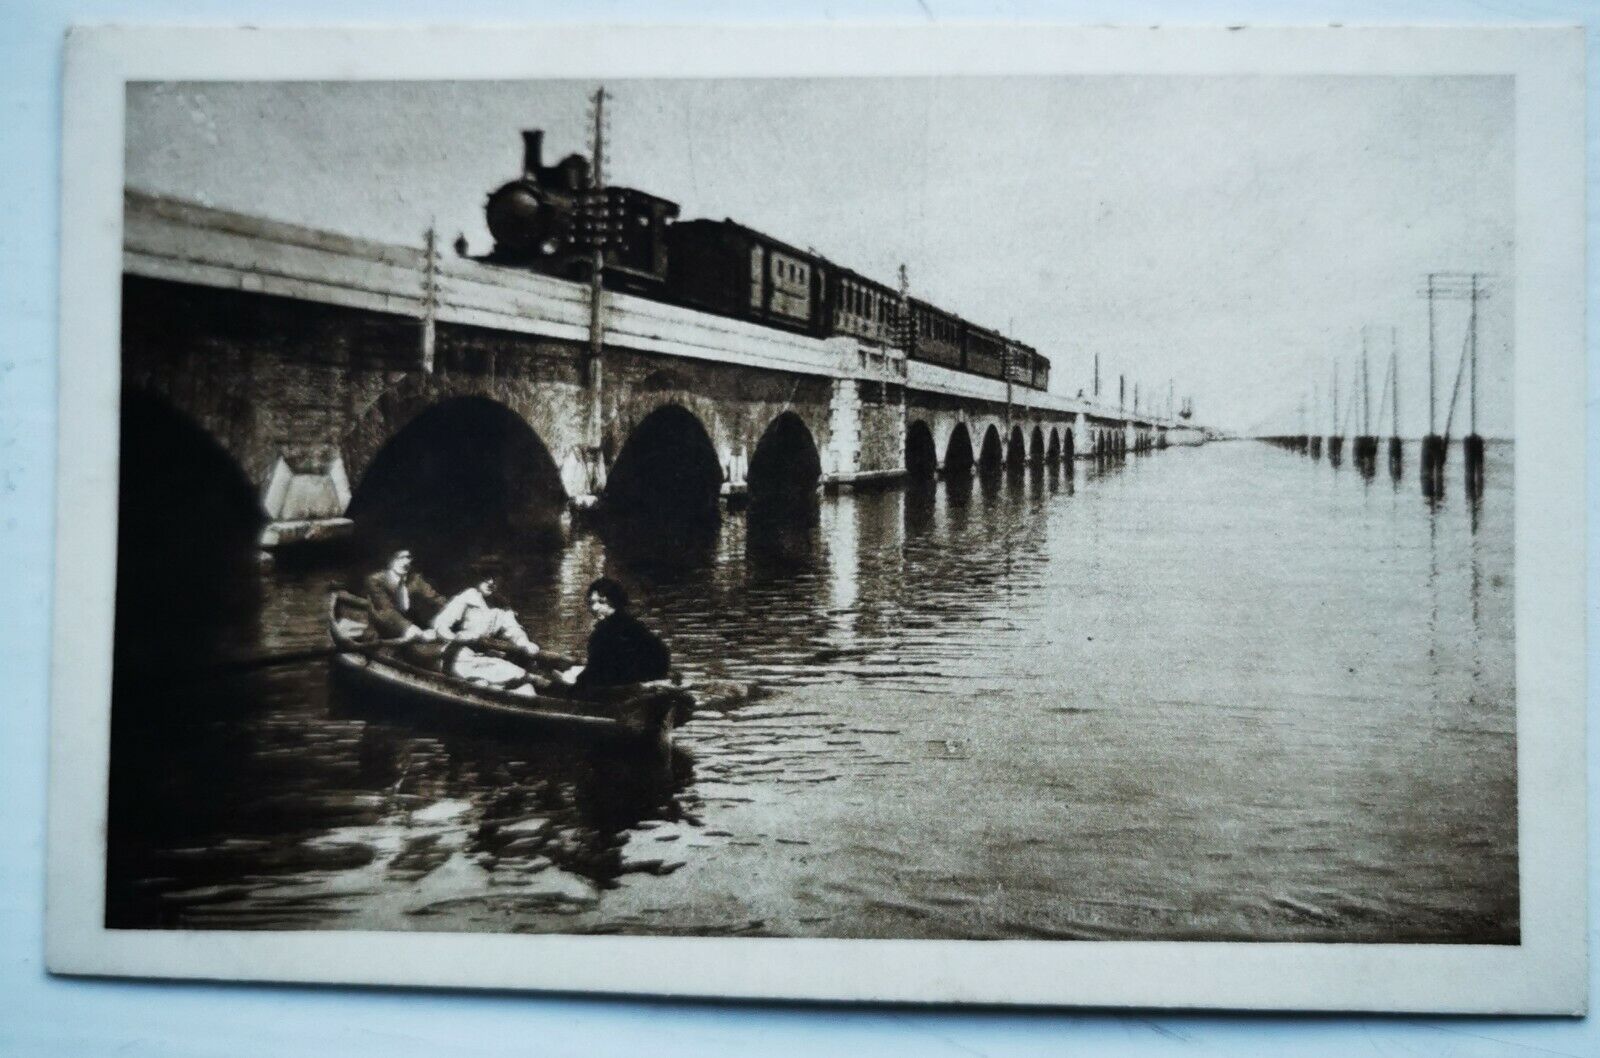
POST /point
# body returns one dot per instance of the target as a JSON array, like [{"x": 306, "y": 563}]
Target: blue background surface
[{"x": 40, "y": 1015}]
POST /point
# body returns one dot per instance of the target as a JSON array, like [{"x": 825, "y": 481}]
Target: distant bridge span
[{"x": 308, "y": 357}]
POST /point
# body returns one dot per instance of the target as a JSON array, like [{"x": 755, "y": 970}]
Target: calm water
[{"x": 1216, "y": 693}]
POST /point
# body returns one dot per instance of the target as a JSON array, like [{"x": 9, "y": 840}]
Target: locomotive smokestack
[{"x": 532, "y": 152}]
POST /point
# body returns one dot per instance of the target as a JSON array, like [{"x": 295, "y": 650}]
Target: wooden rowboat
[{"x": 381, "y": 677}]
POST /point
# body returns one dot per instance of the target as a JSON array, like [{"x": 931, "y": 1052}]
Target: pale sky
[{"x": 1234, "y": 234}]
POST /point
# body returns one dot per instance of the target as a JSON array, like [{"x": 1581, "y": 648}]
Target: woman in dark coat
[{"x": 621, "y": 649}]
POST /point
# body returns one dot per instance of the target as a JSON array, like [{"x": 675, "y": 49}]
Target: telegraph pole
[
  {"x": 1471, "y": 287},
  {"x": 1366, "y": 446},
  {"x": 1432, "y": 445},
  {"x": 1472, "y": 336},
  {"x": 597, "y": 183},
  {"x": 1366, "y": 389},
  {"x": 1313, "y": 439},
  {"x": 1396, "y": 452},
  {"x": 430, "y": 299}
]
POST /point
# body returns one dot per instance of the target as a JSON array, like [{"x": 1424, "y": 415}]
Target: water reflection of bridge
[{"x": 313, "y": 381}]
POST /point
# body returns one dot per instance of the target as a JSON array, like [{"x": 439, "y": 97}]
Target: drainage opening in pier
[
  {"x": 466, "y": 468},
  {"x": 667, "y": 470}
]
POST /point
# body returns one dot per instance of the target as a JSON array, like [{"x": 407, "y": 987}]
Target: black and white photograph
[{"x": 1031, "y": 506}]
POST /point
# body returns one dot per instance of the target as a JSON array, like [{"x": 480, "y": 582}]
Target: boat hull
[{"x": 381, "y": 690}]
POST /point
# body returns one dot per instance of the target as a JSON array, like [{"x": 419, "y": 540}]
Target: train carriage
[
  {"x": 936, "y": 335},
  {"x": 863, "y": 308},
  {"x": 1019, "y": 363},
  {"x": 985, "y": 351},
  {"x": 732, "y": 270}
]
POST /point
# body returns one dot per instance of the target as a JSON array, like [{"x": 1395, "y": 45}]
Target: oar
[
  {"x": 265, "y": 661},
  {"x": 289, "y": 657}
]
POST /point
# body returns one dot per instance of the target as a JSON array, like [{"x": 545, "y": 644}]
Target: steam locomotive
[{"x": 553, "y": 220}]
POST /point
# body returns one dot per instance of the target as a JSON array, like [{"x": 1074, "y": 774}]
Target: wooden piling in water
[
  {"x": 1472, "y": 456},
  {"x": 1435, "y": 453}
]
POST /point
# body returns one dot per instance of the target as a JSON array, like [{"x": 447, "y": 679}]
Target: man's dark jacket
[
  {"x": 623, "y": 651},
  {"x": 389, "y": 616}
]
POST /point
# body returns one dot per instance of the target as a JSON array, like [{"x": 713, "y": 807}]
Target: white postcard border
[{"x": 1546, "y": 973}]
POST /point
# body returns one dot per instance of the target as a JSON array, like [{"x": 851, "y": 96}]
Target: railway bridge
[{"x": 327, "y": 375}]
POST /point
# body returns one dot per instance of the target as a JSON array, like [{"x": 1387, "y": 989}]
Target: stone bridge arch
[
  {"x": 460, "y": 465},
  {"x": 1016, "y": 447},
  {"x": 785, "y": 463},
  {"x": 554, "y": 419},
  {"x": 960, "y": 451},
  {"x": 189, "y": 520},
  {"x": 735, "y": 419},
  {"x": 991, "y": 453},
  {"x": 922, "y": 451},
  {"x": 667, "y": 465},
  {"x": 211, "y": 432}
]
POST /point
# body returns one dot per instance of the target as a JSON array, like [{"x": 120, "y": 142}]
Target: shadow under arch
[
  {"x": 1052, "y": 452},
  {"x": 188, "y": 594},
  {"x": 785, "y": 467},
  {"x": 1016, "y": 449},
  {"x": 992, "y": 457},
  {"x": 958, "y": 457},
  {"x": 188, "y": 529},
  {"x": 1036, "y": 446},
  {"x": 921, "y": 456},
  {"x": 785, "y": 512},
  {"x": 667, "y": 472},
  {"x": 1068, "y": 446},
  {"x": 465, "y": 468}
]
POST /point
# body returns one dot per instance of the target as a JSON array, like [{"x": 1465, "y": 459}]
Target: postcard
[{"x": 983, "y": 514}]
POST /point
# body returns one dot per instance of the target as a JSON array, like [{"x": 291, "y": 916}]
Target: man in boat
[
  {"x": 402, "y": 602},
  {"x": 621, "y": 649}
]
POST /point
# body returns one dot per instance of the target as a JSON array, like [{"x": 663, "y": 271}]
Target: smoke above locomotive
[{"x": 553, "y": 219}]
